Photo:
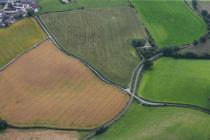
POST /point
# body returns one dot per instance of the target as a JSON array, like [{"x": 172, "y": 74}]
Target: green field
[
  {"x": 170, "y": 22},
  {"x": 17, "y": 38},
  {"x": 180, "y": 81},
  {"x": 103, "y": 41},
  {"x": 55, "y": 5},
  {"x": 145, "y": 123}
]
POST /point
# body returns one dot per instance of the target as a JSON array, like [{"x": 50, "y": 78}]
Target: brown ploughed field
[
  {"x": 45, "y": 87},
  {"x": 12, "y": 134}
]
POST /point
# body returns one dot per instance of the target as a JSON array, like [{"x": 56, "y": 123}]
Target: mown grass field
[
  {"x": 17, "y": 38},
  {"x": 48, "y": 6},
  {"x": 13, "y": 134},
  {"x": 180, "y": 81},
  {"x": 102, "y": 41},
  {"x": 145, "y": 123},
  {"x": 170, "y": 22},
  {"x": 44, "y": 87}
]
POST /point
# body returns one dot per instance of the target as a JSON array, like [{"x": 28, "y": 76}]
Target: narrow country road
[
  {"x": 135, "y": 78},
  {"x": 131, "y": 92}
]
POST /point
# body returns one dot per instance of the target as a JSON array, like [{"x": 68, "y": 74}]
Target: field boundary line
[
  {"x": 192, "y": 9},
  {"x": 148, "y": 103},
  {"x": 79, "y": 10},
  {"x": 181, "y": 46},
  {"x": 169, "y": 104},
  {"x": 37, "y": 127},
  {"x": 130, "y": 92},
  {"x": 139, "y": 71},
  {"x": 21, "y": 54},
  {"x": 59, "y": 128},
  {"x": 60, "y": 47},
  {"x": 111, "y": 122},
  {"x": 48, "y": 128},
  {"x": 98, "y": 74}
]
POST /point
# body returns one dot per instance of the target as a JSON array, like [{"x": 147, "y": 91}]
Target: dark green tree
[
  {"x": 203, "y": 39},
  {"x": 148, "y": 64},
  {"x": 101, "y": 130},
  {"x": 30, "y": 13},
  {"x": 3, "y": 125},
  {"x": 204, "y": 13},
  {"x": 195, "y": 42},
  {"x": 194, "y": 4},
  {"x": 138, "y": 42}
]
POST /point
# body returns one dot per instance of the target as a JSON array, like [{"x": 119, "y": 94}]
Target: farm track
[
  {"x": 131, "y": 91},
  {"x": 136, "y": 77},
  {"x": 98, "y": 74}
]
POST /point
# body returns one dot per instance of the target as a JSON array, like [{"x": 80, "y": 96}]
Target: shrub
[
  {"x": 30, "y": 13},
  {"x": 205, "y": 56},
  {"x": 149, "y": 52},
  {"x": 194, "y": 4},
  {"x": 191, "y": 55},
  {"x": 195, "y": 42},
  {"x": 203, "y": 39},
  {"x": 138, "y": 42},
  {"x": 148, "y": 64},
  {"x": 204, "y": 13},
  {"x": 3, "y": 125},
  {"x": 101, "y": 130},
  {"x": 130, "y": 4},
  {"x": 170, "y": 50},
  {"x": 208, "y": 17}
]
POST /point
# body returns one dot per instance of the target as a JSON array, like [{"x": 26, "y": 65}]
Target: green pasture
[
  {"x": 179, "y": 81},
  {"x": 49, "y": 6},
  {"x": 170, "y": 22},
  {"x": 145, "y": 123}
]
